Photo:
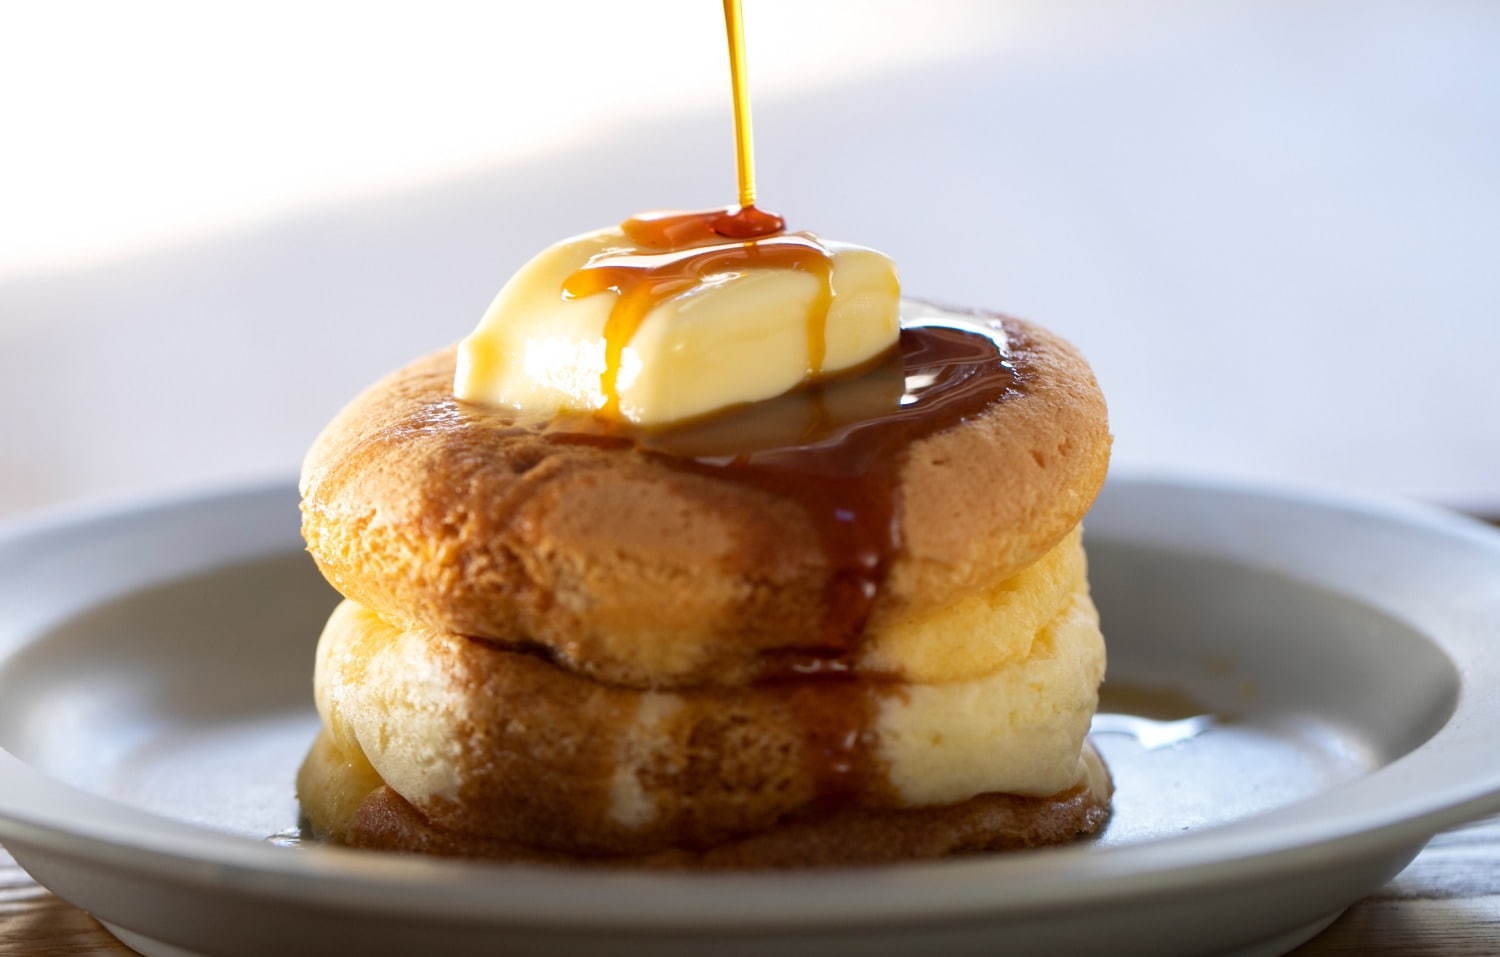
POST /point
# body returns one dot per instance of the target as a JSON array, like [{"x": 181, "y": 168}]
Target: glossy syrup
[
  {"x": 294, "y": 836},
  {"x": 641, "y": 282},
  {"x": 1154, "y": 717},
  {"x": 836, "y": 449},
  {"x": 739, "y": 80},
  {"x": 696, "y": 244}
]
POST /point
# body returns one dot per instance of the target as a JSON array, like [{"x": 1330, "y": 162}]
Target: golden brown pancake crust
[
  {"x": 852, "y": 836},
  {"x": 840, "y": 837},
  {"x": 441, "y": 514}
]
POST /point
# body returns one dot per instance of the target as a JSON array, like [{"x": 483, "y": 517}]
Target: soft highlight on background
[{"x": 1271, "y": 225}]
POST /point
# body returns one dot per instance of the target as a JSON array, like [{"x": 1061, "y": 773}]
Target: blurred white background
[{"x": 1273, "y": 226}]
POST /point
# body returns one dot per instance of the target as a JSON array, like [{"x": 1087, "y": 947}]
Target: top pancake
[{"x": 623, "y": 567}]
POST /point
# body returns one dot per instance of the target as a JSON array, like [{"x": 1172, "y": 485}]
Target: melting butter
[{"x": 600, "y": 323}]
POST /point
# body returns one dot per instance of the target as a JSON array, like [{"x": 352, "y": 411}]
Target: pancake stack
[{"x": 573, "y": 647}]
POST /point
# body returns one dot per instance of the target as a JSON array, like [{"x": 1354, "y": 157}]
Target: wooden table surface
[{"x": 1446, "y": 903}]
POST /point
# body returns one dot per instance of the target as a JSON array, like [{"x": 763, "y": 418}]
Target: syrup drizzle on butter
[
  {"x": 699, "y": 244},
  {"x": 643, "y": 282}
]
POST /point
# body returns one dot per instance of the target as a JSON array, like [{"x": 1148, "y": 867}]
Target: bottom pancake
[
  {"x": 346, "y": 802},
  {"x": 493, "y": 742}
]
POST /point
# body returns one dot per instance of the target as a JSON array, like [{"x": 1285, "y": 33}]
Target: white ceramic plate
[{"x": 1335, "y": 664}]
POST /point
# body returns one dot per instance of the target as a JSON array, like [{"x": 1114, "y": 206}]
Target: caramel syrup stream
[{"x": 739, "y": 78}]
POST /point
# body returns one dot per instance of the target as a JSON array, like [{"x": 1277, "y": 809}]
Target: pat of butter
[{"x": 735, "y": 333}]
